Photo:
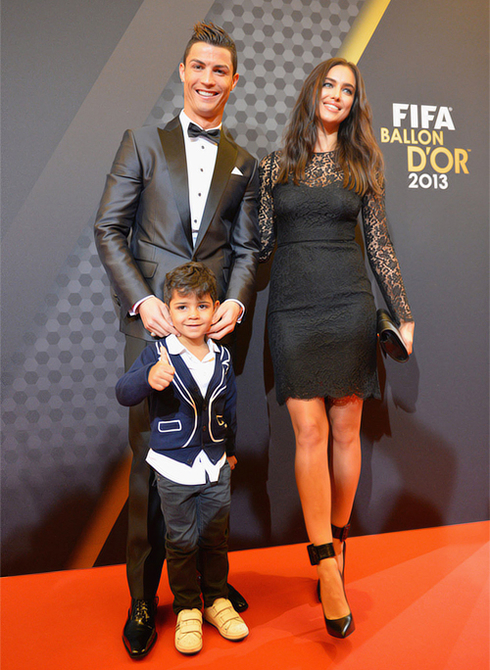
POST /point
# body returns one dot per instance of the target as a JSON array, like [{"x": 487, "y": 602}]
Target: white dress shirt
[{"x": 200, "y": 156}]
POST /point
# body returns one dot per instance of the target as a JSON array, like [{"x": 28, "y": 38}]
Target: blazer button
[{"x": 204, "y": 429}]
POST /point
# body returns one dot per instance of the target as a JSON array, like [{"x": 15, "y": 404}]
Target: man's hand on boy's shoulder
[
  {"x": 225, "y": 319},
  {"x": 232, "y": 461},
  {"x": 156, "y": 317},
  {"x": 162, "y": 373}
]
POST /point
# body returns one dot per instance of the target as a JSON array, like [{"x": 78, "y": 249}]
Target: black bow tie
[{"x": 195, "y": 131}]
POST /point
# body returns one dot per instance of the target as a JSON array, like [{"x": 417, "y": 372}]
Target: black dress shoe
[
  {"x": 139, "y": 633},
  {"x": 237, "y": 600}
]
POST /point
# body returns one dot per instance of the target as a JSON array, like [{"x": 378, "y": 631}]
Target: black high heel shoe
[
  {"x": 339, "y": 533},
  {"x": 343, "y": 626}
]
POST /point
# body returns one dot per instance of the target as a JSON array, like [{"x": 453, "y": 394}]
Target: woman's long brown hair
[{"x": 358, "y": 153}]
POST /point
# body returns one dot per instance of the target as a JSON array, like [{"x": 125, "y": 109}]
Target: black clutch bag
[{"x": 390, "y": 340}]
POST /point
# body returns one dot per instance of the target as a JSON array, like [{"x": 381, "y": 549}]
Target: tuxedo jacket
[
  {"x": 143, "y": 226},
  {"x": 182, "y": 421}
]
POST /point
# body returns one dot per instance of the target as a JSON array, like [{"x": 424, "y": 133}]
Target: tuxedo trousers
[{"x": 145, "y": 549}]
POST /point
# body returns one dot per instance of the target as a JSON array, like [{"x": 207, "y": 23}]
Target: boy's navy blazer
[{"x": 182, "y": 421}]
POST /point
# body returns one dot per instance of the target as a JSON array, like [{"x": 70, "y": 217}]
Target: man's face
[{"x": 208, "y": 80}]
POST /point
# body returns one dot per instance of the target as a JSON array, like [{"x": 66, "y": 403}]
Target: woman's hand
[
  {"x": 406, "y": 331},
  {"x": 232, "y": 461}
]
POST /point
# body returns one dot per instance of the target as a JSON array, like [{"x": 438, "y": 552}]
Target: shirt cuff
[{"x": 134, "y": 310}]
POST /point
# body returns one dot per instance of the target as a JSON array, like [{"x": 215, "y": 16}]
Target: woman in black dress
[{"x": 321, "y": 313}]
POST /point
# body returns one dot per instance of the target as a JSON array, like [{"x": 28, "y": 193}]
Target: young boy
[{"x": 191, "y": 391}]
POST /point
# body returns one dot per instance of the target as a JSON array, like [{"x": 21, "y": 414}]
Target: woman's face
[{"x": 337, "y": 96}]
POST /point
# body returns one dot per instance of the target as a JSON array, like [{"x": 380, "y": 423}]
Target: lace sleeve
[
  {"x": 382, "y": 257},
  {"x": 268, "y": 171}
]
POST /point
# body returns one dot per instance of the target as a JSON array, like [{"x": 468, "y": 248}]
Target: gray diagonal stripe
[{"x": 122, "y": 97}]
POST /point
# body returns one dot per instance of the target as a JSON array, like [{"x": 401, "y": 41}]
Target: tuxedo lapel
[
  {"x": 225, "y": 162},
  {"x": 173, "y": 146}
]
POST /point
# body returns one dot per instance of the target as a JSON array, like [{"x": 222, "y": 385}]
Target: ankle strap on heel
[
  {"x": 341, "y": 532},
  {"x": 320, "y": 551}
]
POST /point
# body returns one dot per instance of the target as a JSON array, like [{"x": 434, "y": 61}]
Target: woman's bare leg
[
  {"x": 311, "y": 428},
  {"x": 345, "y": 460}
]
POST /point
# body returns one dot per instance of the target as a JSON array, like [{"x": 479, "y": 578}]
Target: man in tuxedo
[{"x": 175, "y": 193}]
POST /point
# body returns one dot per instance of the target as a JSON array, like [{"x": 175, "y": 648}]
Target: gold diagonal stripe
[
  {"x": 66, "y": 193},
  {"x": 362, "y": 30},
  {"x": 102, "y": 522}
]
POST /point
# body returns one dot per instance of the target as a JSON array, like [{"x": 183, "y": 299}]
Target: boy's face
[{"x": 192, "y": 316}]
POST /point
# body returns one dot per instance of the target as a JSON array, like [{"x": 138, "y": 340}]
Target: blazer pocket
[
  {"x": 148, "y": 268},
  {"x": 169, "y": 426}
]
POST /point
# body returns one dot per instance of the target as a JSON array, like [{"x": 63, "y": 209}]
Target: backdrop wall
[{"x": 73, "y": 81}]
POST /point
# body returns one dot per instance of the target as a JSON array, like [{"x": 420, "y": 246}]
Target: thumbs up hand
[{"x": 162, "y": 373}]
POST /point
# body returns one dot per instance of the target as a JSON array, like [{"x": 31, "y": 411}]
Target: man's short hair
[
  {"x": 214, "y": 35},
  {"x": 193, "y": 278}
]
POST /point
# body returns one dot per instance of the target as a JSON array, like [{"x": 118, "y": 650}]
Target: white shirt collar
[
  {"x": 176, "y": 347},
  {"x": 185, "y": 120}
]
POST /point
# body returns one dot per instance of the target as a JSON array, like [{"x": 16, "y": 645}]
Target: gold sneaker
[
  {"x": 228, "y": 622},
  {"x": 188, "y": 631}
]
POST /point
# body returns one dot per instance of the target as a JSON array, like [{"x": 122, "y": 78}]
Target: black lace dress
[{"x": 321, "y": 313}]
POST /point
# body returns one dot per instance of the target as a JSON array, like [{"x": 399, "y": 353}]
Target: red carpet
[{"x": 420, "y": 601}]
